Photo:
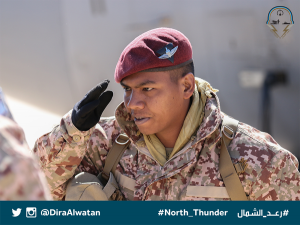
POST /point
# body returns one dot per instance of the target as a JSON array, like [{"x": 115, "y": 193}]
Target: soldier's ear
[{"x": 188, "y": 84}]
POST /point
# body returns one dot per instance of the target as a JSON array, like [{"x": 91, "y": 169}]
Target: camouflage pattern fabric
[
  {"x": 20, "y": 175},
  {"x": 272, "y": 172}
]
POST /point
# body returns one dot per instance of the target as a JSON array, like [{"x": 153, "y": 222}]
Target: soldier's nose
[{"x": 134, "y": 102}]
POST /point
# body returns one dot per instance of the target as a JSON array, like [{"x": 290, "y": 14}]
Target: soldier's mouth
[{"x": 140, "y": 120}]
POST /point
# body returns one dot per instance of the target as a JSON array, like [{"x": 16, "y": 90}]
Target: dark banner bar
[{"x": 177, "y": 212}]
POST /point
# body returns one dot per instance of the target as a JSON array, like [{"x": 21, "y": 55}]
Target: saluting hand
[{"x": 87, "y": 112}]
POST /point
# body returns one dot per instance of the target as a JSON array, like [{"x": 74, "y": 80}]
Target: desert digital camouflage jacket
[
  {"x": 20, "y": 175},
  {"x": 191, "y": 174}
]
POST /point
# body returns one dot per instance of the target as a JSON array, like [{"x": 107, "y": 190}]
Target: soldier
[
  {"x": 20, "y": 175},
  {"x": 176, "y": 130}
]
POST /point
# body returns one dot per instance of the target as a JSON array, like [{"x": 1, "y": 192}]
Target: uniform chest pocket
[
  {"x": 207, "y": 192},
  {"x": 126, "y": 185}
]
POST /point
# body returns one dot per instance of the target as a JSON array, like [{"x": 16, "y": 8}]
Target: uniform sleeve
[
  {"x": 22, "y": 180},
  {"x": 60, "y": 152},
  {"x": 279, "y": 180},
  {"x": 20, "y": 176}
]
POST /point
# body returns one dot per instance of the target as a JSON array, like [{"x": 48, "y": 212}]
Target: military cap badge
[{"x": 167, "y": 52}]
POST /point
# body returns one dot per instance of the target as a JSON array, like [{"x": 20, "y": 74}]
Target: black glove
[{"x": 87, "y": 112}]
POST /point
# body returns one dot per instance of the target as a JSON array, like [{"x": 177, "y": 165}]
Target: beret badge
[{"x": 167, "y": 52}]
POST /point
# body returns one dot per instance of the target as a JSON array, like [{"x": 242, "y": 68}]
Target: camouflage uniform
[
  {"x": 192, "y": 174},
  {"x": 20, "y": 176}
]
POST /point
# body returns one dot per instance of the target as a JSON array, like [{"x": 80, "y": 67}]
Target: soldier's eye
[
  {"x": 126, "y": 88},
  {"x": 147, "y": 89}
]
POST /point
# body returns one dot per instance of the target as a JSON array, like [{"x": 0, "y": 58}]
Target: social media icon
[
  {"x": 31, "y": 212},
  {"x": 16, "y": 212}
]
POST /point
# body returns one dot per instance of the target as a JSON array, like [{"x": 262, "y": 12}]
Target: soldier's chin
[{"x": 146, "y": 131}]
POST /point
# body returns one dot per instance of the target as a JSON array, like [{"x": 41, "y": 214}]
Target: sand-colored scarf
[{"x": 191, "y": 123}]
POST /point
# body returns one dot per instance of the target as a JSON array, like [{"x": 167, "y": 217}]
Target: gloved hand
[{"x": 87, "y": 112}]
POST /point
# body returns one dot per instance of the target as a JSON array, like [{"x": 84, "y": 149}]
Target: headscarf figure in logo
[{"x": 280, "y": 20}]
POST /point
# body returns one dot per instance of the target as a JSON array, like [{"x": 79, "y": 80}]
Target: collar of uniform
[
  {"x": 126, "y": 123},
  {"x": 212, "y": 118}
]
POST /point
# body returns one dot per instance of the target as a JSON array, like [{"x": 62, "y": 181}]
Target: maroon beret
[{"x": 159, "y": 49}]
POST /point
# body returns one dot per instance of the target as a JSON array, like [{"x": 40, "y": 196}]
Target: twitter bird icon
[{"x": 16, "y": 212}]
